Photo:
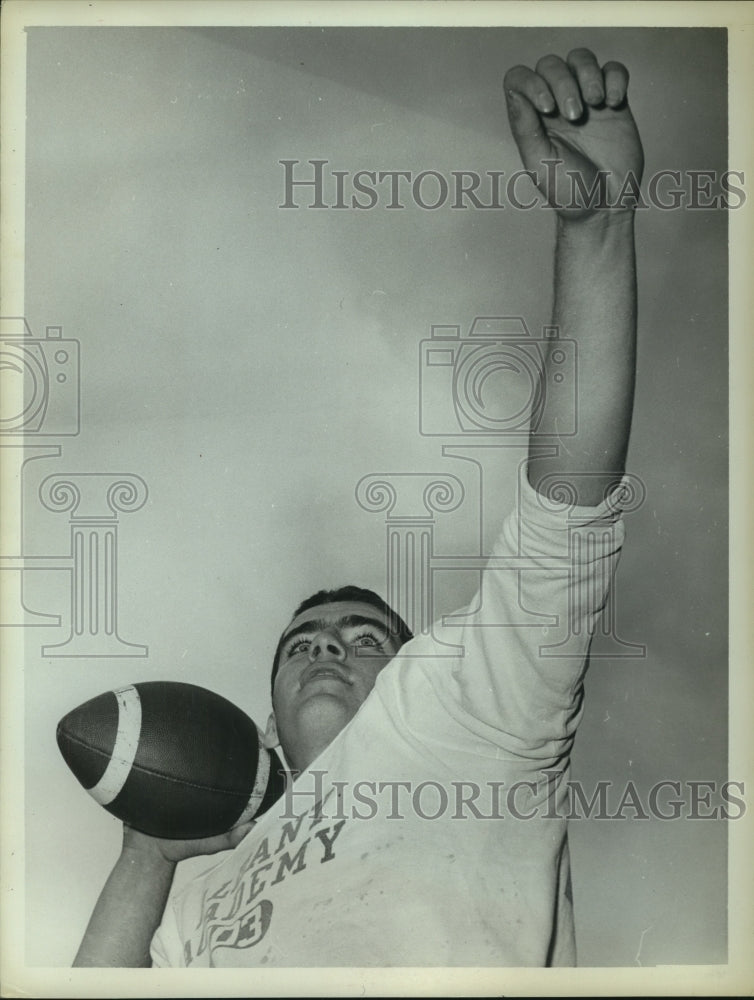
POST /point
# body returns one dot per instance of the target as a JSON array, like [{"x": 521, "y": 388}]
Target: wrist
[
  {"x": 145, "y": 853},
  {"x": 602, "y": 221},
  {"x": 597, "y": 232}
]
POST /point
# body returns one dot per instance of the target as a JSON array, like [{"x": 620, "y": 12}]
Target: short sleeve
[
  {"x": 166, "y": 949},
  {"x": 527, "y": 639}
]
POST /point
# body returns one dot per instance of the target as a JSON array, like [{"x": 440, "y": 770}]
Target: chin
[
  {"x": 316, "y": 724},
  {"x": 326, "y": 709}
]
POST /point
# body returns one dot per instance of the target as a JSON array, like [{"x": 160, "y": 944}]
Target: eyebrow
[{"x": 348, "y": 621}]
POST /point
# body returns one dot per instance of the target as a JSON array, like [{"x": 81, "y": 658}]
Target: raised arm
[{"x": 576, "y": 133}]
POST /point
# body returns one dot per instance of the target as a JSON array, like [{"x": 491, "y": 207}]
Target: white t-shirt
[{"x": 432, "y": 830}]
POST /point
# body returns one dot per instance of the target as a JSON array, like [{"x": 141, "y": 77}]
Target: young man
[{"x": 427, "y": 825}]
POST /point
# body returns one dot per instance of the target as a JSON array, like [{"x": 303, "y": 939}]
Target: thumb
[
  {"x": 526, "y": 126},
  {"x": 237, "y": 833}
]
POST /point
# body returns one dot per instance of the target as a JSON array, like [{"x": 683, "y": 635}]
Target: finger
[
  {"x": 616, "y": 83},
  {"x": 527, "y": 96},
  {"x": 589, "y": 75},
  {"x": 237, "y": 834},
  {"x": 526, "y": 126},
  {"x": 525, "y": 81},
  {"x": 563, "y": 85}
]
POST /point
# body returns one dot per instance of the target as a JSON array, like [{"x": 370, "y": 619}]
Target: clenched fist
[{"x": 575, "y": 133}]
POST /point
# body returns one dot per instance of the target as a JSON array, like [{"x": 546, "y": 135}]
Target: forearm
[
  {"x": 128, "y": 912},
  {"x": 595, "y": 306}
]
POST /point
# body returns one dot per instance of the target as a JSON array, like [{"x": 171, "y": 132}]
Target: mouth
[{"x": 318, "y": 671}]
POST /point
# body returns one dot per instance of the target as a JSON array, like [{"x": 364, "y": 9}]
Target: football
[{"x": 171, "y": 759}]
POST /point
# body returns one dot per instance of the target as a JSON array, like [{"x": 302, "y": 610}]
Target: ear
[{"x": 271, "y": 739}]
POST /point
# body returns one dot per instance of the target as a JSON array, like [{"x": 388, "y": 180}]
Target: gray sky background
[{"x": 252, "y": 364}]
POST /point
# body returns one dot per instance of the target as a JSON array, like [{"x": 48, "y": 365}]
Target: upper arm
[{"x": 525, "y": 645}]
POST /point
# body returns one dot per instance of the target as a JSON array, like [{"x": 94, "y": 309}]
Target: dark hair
[{"x": 398, "y": 628}]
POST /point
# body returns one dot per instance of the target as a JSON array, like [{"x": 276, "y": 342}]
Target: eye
[
  {"x": 297, "y": 646},
  {"x": 368, "y": 638}
]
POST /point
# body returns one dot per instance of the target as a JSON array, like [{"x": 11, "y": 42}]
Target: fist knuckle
[
  {"x": 548, "y": 62},
  {"x": 580, "y": 54},
  {"x": 515, "y": 75}
]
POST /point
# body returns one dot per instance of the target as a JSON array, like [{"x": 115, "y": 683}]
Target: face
[{"x": 329, "y": 660}]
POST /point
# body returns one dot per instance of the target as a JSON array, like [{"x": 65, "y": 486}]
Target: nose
[{"x": 327, "y": 645}]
